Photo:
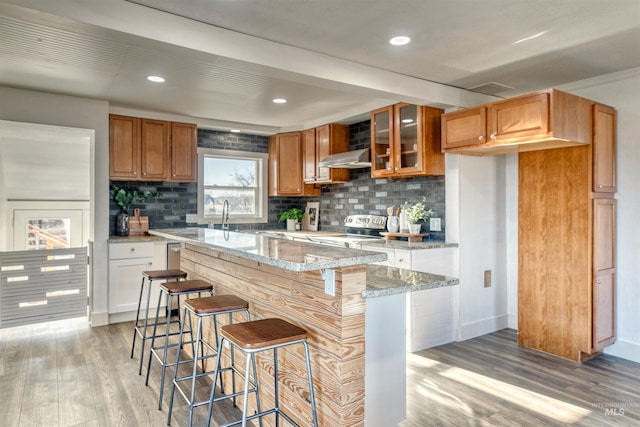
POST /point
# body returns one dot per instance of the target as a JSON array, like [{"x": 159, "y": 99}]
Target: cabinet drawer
[{"x": 131, "y": 250}]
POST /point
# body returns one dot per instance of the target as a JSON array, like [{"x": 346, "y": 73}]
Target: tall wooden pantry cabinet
[{"x": 566, "y": 243}]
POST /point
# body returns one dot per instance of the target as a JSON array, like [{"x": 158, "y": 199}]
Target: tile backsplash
[{"x": 362, "y": 194}]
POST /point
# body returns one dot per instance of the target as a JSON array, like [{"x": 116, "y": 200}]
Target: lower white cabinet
[
  {"x": 127, "y": 261},
  {"x": 431, "y": 314}
]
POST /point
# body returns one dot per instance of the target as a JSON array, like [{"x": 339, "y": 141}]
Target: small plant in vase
[
  {"x": 292, "y": 216},
  {"x": 415, "y": 213},
  {"x": 124, "y": 198}
]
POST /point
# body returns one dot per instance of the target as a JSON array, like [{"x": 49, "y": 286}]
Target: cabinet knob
[
  {"x": 481, "y": 138},
  {"x": 598, "y": 282},
  {"x": 134, "y": 172},
  {"x": 144, "y": 174},
  {"x": 397, "y": 168},
  {"x": 133, "y": 249},
  {"x": 600, "y": 186},
  {"x": 492, "y": 136},
  {"x": 174, "y": 175}
]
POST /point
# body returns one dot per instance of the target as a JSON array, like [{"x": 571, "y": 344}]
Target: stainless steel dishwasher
[
  {"x": 173, "y": 262},
  {"x": 173, "y": 255}
]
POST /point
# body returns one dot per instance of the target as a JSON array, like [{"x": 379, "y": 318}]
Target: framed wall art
[{"x": 313, "y": 215}]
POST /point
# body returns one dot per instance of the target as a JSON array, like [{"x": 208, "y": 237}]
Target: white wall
[
  {"x": 476, "y": 215},
  {"x": 44, "y": 108}
]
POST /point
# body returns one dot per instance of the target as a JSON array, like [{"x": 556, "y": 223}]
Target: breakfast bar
[{"x": 354, "y": 313}]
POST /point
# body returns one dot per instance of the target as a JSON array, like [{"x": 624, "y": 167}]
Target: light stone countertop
[
  {"x": 383, "y": 281},
  {"x": 135, "y": 239},
  {"x": 305, "y": 256},
  {"x": 286, "y": 254}
]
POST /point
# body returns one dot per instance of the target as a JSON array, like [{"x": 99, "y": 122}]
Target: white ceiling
[{"x": 224, "y": 60}]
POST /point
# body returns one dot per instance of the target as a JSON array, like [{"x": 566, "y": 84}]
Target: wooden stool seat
[
  {"x": 216, "y": 304},
  {"x": 165, "y": 274},
  {"x": 186, "y": 286},
  {"x": 263, "y": 333}
]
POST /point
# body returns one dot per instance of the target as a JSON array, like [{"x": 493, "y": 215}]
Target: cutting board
[{"x": 410, "y": 237}]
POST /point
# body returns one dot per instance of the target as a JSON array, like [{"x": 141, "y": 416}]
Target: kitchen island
[{"x": 355, "y": 323}]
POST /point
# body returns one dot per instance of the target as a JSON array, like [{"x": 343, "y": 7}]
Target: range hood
[{"x": 347, "y": 160}]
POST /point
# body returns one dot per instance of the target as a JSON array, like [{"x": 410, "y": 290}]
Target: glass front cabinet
[{"x": 405, "y": 141}]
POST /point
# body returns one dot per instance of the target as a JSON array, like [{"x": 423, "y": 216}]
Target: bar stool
[
  {"x": 171, "y": 290},
  {"x": 204, "y": 307},
  {"x": 256, "y": 336},
  {"x": 151, "y": 276}
]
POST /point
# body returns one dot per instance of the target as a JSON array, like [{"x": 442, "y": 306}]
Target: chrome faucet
[{"x": 225, "y": 215}]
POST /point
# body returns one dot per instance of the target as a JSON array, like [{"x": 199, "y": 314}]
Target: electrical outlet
[
  {"x": 192, "y": 218},
  {"x": 434, "y": 224},
  {"x": 487, "y": 278}
]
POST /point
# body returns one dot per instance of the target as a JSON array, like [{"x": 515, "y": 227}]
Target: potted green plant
[
  {"x": 415, "y": 213},
  {"x": 292, "y": 216},
  {"x": 124, "y": 197}
]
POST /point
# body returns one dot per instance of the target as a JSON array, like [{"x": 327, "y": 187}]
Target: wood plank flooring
[
  {"x": 68, "y": 374},
  {"x": 491, "y": 381}
]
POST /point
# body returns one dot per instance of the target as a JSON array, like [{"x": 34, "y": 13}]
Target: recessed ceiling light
[
  {"x": 279, "y": 101},
  {"x": 234, "y": 130},
  {"x": 155, "y": 79},
  {"x": 399, "y": 40}
]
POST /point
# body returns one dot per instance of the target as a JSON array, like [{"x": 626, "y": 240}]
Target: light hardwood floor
[{"x": 69, "y": 374}]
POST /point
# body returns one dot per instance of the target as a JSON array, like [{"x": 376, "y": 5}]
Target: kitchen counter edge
[{"x": 383, "y": 281}]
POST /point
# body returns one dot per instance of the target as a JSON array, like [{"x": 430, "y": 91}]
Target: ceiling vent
[{"x": 491, "y": 88}]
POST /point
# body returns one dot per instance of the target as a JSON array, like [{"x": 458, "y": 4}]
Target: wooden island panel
[{"x": 335, "y": 326}]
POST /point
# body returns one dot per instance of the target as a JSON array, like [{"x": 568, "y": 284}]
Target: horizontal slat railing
[{"x": 41, "y": 286}]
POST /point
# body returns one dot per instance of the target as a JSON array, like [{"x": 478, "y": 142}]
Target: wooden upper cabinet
[
  {"x": 320, "y": 142},
  {"x": 286, "y": 167},
  {"x": 537, "y": 121},
  {"x": 310, "y": 162},
  {"x": 520, "y": 117},
  {"x": 405, "y": 141},
  {"x": 154, "y": 149},
  {"x": 184, "y": 152},
  {"x": 151, "y": 150},
  {"x": 124, "y": 147},
  {"x": 464, "y": 128},
  {"x": 604, "y": 149}
]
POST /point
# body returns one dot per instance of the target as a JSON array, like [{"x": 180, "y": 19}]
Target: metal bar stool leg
[{"x": 135, "y": 325}]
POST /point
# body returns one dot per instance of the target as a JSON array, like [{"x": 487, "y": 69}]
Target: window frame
[{"x": 262, "y": 200}]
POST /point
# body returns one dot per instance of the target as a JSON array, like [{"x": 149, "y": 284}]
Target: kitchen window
[{"x": 238, "y": 177}]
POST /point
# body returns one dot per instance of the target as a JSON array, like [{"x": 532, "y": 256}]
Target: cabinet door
[
  {"x": 604, "y": 149},
  {"x": 604, "y": 222},
  {"x": 184, "y": 155},
  {"x": 289, "y": 163},
  {"x": 323, "y": 149},
  {"x": 310, "y": 161},
  {"x": 125, "y": 276},
  {"x": 464, "y": 128},
  {"x": 155, "y": 150},
  {"x": 407, "y": 141},
  {"x": 381, "y": 139},
  {"x": 124, "y": 147},
  {"x": 519, "y": 117}
]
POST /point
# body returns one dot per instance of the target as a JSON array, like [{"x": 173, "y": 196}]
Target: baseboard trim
[
  {"x": 482, "y": 327},
  {"x": 99, "y": 319},
  {"x": 624, "y": 349}
]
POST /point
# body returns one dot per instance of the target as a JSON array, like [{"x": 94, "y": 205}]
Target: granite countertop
[
  {"x": 400, "y": 244},
  {"x": 383, "y": 281},
  {"x": 135, "y": 239},
  {"x": 287, "y": 254}
]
